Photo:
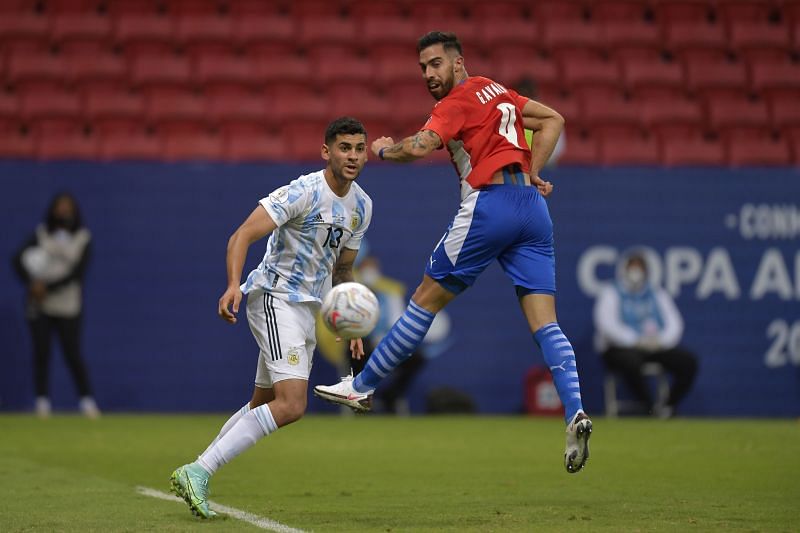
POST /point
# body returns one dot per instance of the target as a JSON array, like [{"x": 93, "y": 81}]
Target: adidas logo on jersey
[{"x": 318, "y": 218}]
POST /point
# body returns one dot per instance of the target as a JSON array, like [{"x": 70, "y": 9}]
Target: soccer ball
[{"x": 350, "y": 310}]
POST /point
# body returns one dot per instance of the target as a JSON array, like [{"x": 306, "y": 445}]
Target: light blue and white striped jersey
[{"x": 313, "y": 226}]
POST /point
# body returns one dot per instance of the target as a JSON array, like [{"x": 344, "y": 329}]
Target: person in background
[
  {"x": 391, "y": 294},
  {"x": 638, "y": 323},
  {"x": 527, "y": 87},
  {"x": 52, "y": 264}
]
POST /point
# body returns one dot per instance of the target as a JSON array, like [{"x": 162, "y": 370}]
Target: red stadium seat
[
  {"x": 353, "y": 69},
  {"x": 105, "y": 66},
  {"x": 512, "y": 65},
  {"x": 125, "y": 8},
  {"x": 195, "y": 145},
  {"x": 759, "y": 152},
  {"x": 502, "y": 31},
  {"x": 672, "y": 11},
  {"x": 571, "y": 33},
  {"x": 326, "y": 30},
  {"x": 670, "y": 112},
  {"x": 556, "y": 10},
  {"x": 252, "y": 146},
  {"x": 299, "y": 105},
  {"x": 579, "y": 149},
  {"x": 379, "y": 29},
  {"x": 284, "y": 69},
  {"x": 111, "y": 104},
  {"x": 360, "y": 101},
  {"x": 411, "y": 103},
  {"x": 702, "y": 75},
  {"x": 745, "y": 34},
  {"x": 257, "y": 28},
  {"x": 617, "y": 33},
  {"x": 693, "y": 152},
  {"x": 23, "y": 25},
  {"x": 227, "y": 70},
  {"x": 370, "y": 9},
  {"x": 768, "y": 76},
  {"x": 784, "y": 109},
  {"x": 304, "y": 140},
  {"x": 240, "y": 107},
  {"x": 80, "y": 26},
  {"x": 693, "y": 35},
  {"x": 137, "y": 145},
  {"x": 196, "y": 7},
  {"x": 391, "y": 69},
  {"x": 619, "y": 10},
  {"x": 630, "y": 150},
  {"x": 612, "y": 111},
  {"x": 9, "y": 104},
  {"x": 729, "y": 112},
  {"x": 149, "y": 28},
  {"x": 318, "y": 8},
  {"x": 25, "y": 67},
  {"x": 174, "y": 105},
  {"x": 16, "y": 144},
  {"x": 45, "y": 103},
  {"x": 149, "y": 69},
  {"x": 259, "y": 7},
  {"x": 63, "y": 145},
  {"x": 204, "y": 28},
  {"x": 595, "y": 73},
  {"x": 567, "y": 106},
  {"x": 72, "y": 6},
  {"x": 639, "y": 74},
  {"x": 469, "y": 31},
  {"x": 732, "y": 11}
]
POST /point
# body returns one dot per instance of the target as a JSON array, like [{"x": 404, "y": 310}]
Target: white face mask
[
  {"x": 635, "y": 276},
  {"x": 369, "y": 275}
]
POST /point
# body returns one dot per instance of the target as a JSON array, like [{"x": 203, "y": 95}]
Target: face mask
[
  {"x": 635, "y": 276},
  {"x": 370, "y": 275},
  {"x": 64, "y": 222}
]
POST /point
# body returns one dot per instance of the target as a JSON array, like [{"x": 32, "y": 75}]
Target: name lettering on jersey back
[{"x": 490, "y": 92}]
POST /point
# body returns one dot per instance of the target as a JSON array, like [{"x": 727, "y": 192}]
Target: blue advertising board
[{"x": 725, "y": 244}]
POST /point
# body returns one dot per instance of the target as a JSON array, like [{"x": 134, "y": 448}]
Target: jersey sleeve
[
  {"x": 365, "y": 209},
  {"x": 446, "y": 120},
  {"x": 286, "y": 203},
  {"x": 519, "y": 100}
]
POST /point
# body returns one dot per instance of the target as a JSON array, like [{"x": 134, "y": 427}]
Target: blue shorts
[{"x": 504, "y": 222}]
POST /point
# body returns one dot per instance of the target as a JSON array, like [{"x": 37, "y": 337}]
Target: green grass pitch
[{"x": 406, "y": 474}]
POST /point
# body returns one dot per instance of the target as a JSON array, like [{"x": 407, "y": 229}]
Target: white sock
[
  {"x": 229, "y": 424},
  {"x": 244, "y": 434}
]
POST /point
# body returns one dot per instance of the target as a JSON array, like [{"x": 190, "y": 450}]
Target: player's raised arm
[
  {"x": 409, "y": 149},
  {"x": 258, "y": 225},
  {"x": 546, "y": 125}
]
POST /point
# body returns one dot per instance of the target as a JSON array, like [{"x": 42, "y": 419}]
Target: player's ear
[{"x": 325, "y": 152}]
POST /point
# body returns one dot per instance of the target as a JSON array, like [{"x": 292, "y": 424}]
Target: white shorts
[{"x": 285, "y": 335}]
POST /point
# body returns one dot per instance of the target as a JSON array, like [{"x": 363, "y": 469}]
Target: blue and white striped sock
[
  {"x": 397, "y": 346},
  {"x": 560, "y": 357}
]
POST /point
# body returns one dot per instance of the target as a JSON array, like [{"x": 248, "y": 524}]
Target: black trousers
[
  {"x": 628, "y": 362},
  {"x": 68, "y": 331}
]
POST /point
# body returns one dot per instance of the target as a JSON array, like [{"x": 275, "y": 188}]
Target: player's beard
[{"x": 445, "y": 86}]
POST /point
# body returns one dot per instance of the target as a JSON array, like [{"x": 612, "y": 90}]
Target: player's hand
[
  {"x": 544, "y": 187},
  {"x": 356, "y": 348},
  {"x": 383, "y": 142},
  {"x": 229, "y": 304}
]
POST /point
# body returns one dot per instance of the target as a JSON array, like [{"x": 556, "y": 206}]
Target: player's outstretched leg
[
  {"x": 397, "y": 346},
  {"x": 190, "y": 482},
  {"x": 577, "y": 452}
]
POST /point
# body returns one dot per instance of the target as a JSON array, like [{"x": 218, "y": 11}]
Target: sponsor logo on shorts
[{"x": 293, "y": 356}]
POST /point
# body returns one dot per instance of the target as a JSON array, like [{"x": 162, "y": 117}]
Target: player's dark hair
[
  {"x": 447, "y": 39},
  {"x": 50, "y": 215},
  {"x": 343, "y": 126}
]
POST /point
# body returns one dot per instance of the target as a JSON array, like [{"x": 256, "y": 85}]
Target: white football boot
[
  {"x": 343, "y": 393},
  {"x": 577, "y": 452}
]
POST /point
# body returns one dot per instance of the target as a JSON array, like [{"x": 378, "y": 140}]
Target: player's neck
[{"x": 339, "y": 187}]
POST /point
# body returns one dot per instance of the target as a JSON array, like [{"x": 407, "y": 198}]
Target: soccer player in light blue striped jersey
[{"x": 316, "y": 224}]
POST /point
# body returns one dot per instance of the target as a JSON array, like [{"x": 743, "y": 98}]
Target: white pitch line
[{"x": 250, "y": 518}]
